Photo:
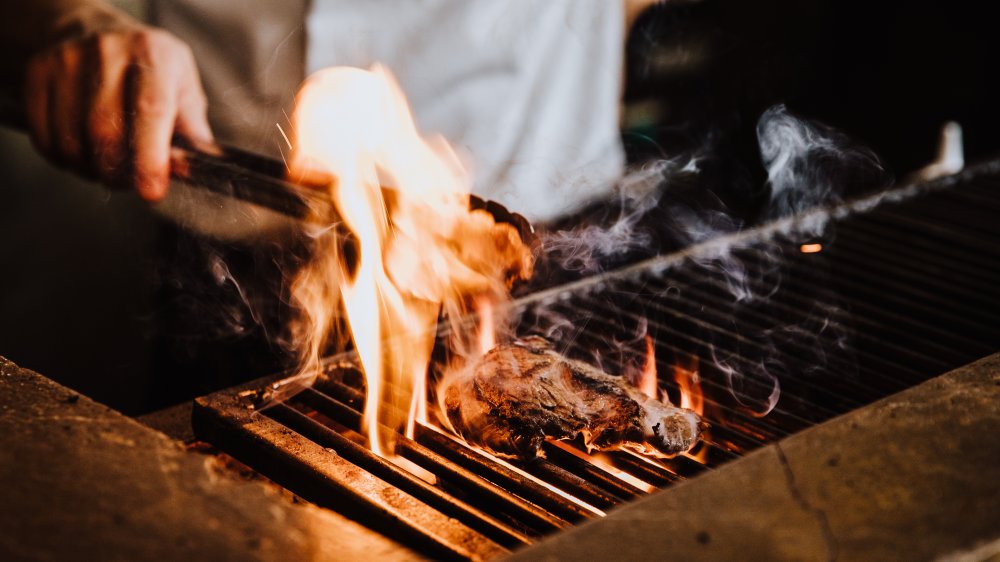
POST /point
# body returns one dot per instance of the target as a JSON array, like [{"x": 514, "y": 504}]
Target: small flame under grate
[{"x": 882, "y": 300}]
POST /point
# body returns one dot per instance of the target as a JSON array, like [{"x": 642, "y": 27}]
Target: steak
[{"x": 520, "y": 394}]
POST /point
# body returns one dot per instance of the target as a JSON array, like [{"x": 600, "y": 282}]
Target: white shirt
[{"x": 528, "y": 89}]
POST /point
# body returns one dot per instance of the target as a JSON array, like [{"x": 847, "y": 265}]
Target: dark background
[
  {"x": 81, "y": 272},
  {"x": 888, "y": 73}
]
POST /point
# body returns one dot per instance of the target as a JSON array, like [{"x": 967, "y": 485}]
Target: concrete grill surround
[
  {"x": 915, "y": 476},
  {"x": 84, "y": 482}
]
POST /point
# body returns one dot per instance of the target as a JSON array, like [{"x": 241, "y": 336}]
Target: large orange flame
[{"x": 406, "y": 244}]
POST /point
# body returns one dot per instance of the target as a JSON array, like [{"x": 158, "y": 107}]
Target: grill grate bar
[
  {"x": 476, "y": 462},
  {"x": 982, "y": 196},
  {"x": 327, "y": 479},
  {"x": 909, "y": 283},
  {"x": 967, "y": 221},
  {"x": 922, "y": 314},
  {"x": 588, "y": 470},
  {"x": 913, "y": 294},
  {"x": 765, "y": 321},
  {"x": 659, "y": 473},
  {"x": 655, "y": 475},
  {"x": 944, "y": 295},
  {"x": 916, "y": 262},
  {"x": 481, "y": 492},
  {"x": 573, "y": 483},
  {"x": 952, "y": 238},
  {"x": 717, "y": 328},
  {"x": 458, "y": 452},
  {"x": 600, "y": 484},
  {"x": 880, "y": 319},
  {"x": 925, "y": 243},
  {"x": 392, "y": 474},
  {"x": 851, "y": 391},
  {"x": 757, "y": 437},
  {"x": 780, "y": 416}
]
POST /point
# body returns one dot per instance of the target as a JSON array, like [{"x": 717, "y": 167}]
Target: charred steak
[{"x": 519, "y": 394}]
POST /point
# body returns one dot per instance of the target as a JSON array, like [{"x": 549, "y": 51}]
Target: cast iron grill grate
[{"x": 903, "y": 288}]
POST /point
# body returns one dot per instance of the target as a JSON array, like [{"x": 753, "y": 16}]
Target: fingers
[
  {"x": 192, "y": 110},
  {"x": 66, "y": 103},
  {"x": 151, "y": 95},
  {"x": 106, "y": 114},
  {"x": 108, "y": 105}
]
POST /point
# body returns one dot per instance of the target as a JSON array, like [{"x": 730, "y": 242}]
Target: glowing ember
[
  {"x": 407, "y": 247},
  {"x": 811, "y": 248}
]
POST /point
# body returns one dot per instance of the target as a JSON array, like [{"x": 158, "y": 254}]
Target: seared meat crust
[{"x": 519, "y": 394}]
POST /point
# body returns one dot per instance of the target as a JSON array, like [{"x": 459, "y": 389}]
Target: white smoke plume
[
  {"x": 587, "y": 248},
  {"x": 808, "y": 166}
]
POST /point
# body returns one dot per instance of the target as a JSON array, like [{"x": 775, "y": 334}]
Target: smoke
[
  {"x": 587, "y": 248},
  {"x": 665, "y": 214},
  {"x": 675, "y": 224},
  {"x": 808, "y": 164},
  {"x": 236, "y": 314}
]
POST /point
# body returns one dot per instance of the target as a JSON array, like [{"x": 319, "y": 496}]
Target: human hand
[{"x": 107, "y": 105}]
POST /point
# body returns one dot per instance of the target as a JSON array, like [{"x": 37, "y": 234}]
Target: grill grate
[{"x": 901, "y": 293}]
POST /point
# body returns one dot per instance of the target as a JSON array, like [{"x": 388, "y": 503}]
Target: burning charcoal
[{"x": 519, "y": 394}]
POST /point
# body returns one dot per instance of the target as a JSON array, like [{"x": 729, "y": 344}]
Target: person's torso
[{"x": 528, "y": 89}]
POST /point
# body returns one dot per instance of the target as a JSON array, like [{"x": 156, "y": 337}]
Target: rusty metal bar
[
  {"x": 479, "y": 491},
  {"x": 643, "y": 470},
  {"x": 776, "y": 426},
  {"x": 458, "y": 453},
  {"x": 396, "y": 476},
  {"x": 325, "y": 478},
  {"x": 477, "y": 462},
  {"x": 757, "y": 320},
  {"x": 588, "y": 491},
  {"x": 591, "y": 472},
  {"x": 474, "y": 461},
  {"x": 570, "y": 482}
]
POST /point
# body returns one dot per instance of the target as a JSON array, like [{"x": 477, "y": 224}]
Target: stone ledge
[
  {"x": 84, "y": 482},
  {"x": 915, "y": 476}
]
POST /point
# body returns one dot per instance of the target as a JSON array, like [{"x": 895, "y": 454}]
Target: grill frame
[
  {"x": 327, "y": 479},
  {"x": 228, "y": 420}
]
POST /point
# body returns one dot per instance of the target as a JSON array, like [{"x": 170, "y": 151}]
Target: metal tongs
[
  {"x": 262, "y": 181},
  {"x": 246, "y": 176},
  {"x": 221, "y": 169}
]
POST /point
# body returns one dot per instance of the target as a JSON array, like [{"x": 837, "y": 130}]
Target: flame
[
  {"x": 685, "y": 375},
  {"x": 487, "y": 326},
  {"x": 689, "y": 383},
  {"x": 399, "y": 246},
  {"x": 648, "y": 382},
  {"x": 811, "y": 248}
]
